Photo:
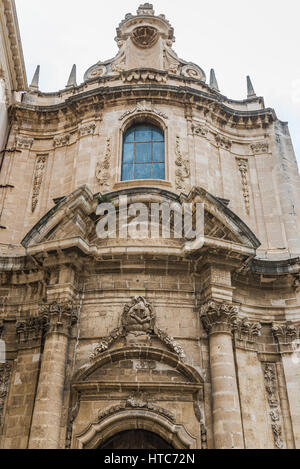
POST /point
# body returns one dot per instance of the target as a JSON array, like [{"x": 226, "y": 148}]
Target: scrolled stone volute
[{"x": 218, "y": 317}]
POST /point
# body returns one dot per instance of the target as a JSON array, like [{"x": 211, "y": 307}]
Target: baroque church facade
[{"x": 152, "y": 342}]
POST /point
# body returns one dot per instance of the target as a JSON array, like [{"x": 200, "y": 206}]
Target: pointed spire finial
[
  {"x": 72, "y": 78},
  {"x": 35, "y": 80},
  {"x": 213, "y": 81},
  {"x": 250, "y": 90}
]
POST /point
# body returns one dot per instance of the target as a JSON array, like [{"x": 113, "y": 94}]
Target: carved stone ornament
[
  {"x": 223, "y": 142},
  {"x": 58, "y": 317},
  {"x": 260, "y": 148},
  {"x": 5, "y": 371},
  {"x": 244, "y": 171},
  {"x": 142, "y": 107},
  {"x": 61, "y": 140},
  {"x": 145, "y": 9},
  {"x": 87, "y": 129},
  {"x": 218, "y": 317},
  {"x": 102, "y": 172},
  {"x": 247, "y": 330},
  {"x": 145, "y": 36},
  {"x": 144, "y": 77},
  {"x": 183, "y": 167},
  {"x": 199, "y": 130},
  {"x": 192, "y": 71},
  {"x": 138, "y": 316},
  {"x": 30, "y": 330},
  {"x": 137, "y": 327},
  {"x": 97, "y": 71},
  {"x": 38, "y": 179},
  {"x": 137, "y": 400},
  {"x": 24, "y": 142},
  {"x": 271, "y": 385},
  {"x": 285, "y": 333}
]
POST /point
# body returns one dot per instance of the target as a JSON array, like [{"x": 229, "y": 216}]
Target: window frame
[
  {"x": 142, "y": 118},
  {"x": 135, "y": 165}
]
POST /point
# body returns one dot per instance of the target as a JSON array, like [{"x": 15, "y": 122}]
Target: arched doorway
[{"x": 136, "y": 439}]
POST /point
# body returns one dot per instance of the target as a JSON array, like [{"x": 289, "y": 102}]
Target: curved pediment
[
  {"x": 74, "y": 221},
  {"x": 150, "y": 364}
]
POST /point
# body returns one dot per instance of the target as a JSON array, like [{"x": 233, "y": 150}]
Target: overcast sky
[{"x": 260, "y": 38}]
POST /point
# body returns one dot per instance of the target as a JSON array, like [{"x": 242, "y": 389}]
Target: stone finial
[
  {"x": 145, "y": 9},
  {"x": 250, "y": 90},
  {"x": 35, "y": 80},
  {"x": 213, "y": 81},
  {"x": 72, "y": 78}
]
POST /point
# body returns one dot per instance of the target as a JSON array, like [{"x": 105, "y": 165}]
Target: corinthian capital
[
  {"x": 59, "y": 317},
  {"x": 218, "y": 317}
]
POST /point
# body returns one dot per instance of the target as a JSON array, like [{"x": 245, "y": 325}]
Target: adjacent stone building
[{"x": 152, "y": 342}]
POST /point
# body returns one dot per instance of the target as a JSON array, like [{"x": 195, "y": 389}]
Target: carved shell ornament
[{"x": 145, "y": 36}]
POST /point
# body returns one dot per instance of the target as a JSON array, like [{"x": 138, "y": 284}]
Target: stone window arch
[{"x": 143, "y": 152}]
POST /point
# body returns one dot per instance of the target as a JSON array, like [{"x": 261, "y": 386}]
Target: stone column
[
  {"x": 46, "y": 421},
  {"x": 218, "y": 320}
]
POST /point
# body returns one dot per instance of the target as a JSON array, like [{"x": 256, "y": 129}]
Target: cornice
[
  {"x": 212, "y": 106},
  {"x": 13, "y": 43}
]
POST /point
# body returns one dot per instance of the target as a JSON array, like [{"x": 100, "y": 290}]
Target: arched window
[{"x": 143, "y": 153}]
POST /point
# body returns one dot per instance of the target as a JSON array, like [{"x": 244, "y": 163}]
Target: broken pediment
[
  {"x": 75, "y": 221},
  {"x": 145, "y": 42}
]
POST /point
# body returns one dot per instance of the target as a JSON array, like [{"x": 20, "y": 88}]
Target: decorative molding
[
  {"x": 87, "y": 129},
  {"x": 259, "y": 148},
  {"x": 5, "y": 371},
  {"x": 102, "y": 172},
  {"x": 183, "y": 167},
  {"x": 144, "y": 76},
  {"x": 58, "y": 317},
  {"x": 223, "y": 142},
  {"x": 38, "y": 179},
  {"x": 247, "y": 330},
  {"x": 61, "y": 140},
  {"x": 24, "y": 142},
  {"x": 137, "y": 326},
  {"x": 218, "y": 317},
  {"x": 137, "y": 400},
  {"x": 145, "y": 9},
  {"x": 142, "y": 107},
  {"x": 243, "y": 166},
  {"x": 271, "y": 385}
]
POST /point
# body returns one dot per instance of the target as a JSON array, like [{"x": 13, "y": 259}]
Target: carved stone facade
[{"x": 196, "y": 342}]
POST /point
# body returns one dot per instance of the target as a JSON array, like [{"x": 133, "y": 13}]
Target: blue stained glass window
[{"x": 143, "y": 153}]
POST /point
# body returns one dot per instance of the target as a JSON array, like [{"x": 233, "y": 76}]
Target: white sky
[{"x": 260, "y": 38}]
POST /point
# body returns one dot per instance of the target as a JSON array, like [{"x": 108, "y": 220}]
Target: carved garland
[
  {"x": 38, "y": 179},
  {"x": 183, "y": 167},
  {"x": 271, "y": 386},
  {"x": 138, "y": 320},
  {"x": 259, "y": 148},
  {"x": 103, "y": 167},
  {"x": 244, "y": 170}
]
